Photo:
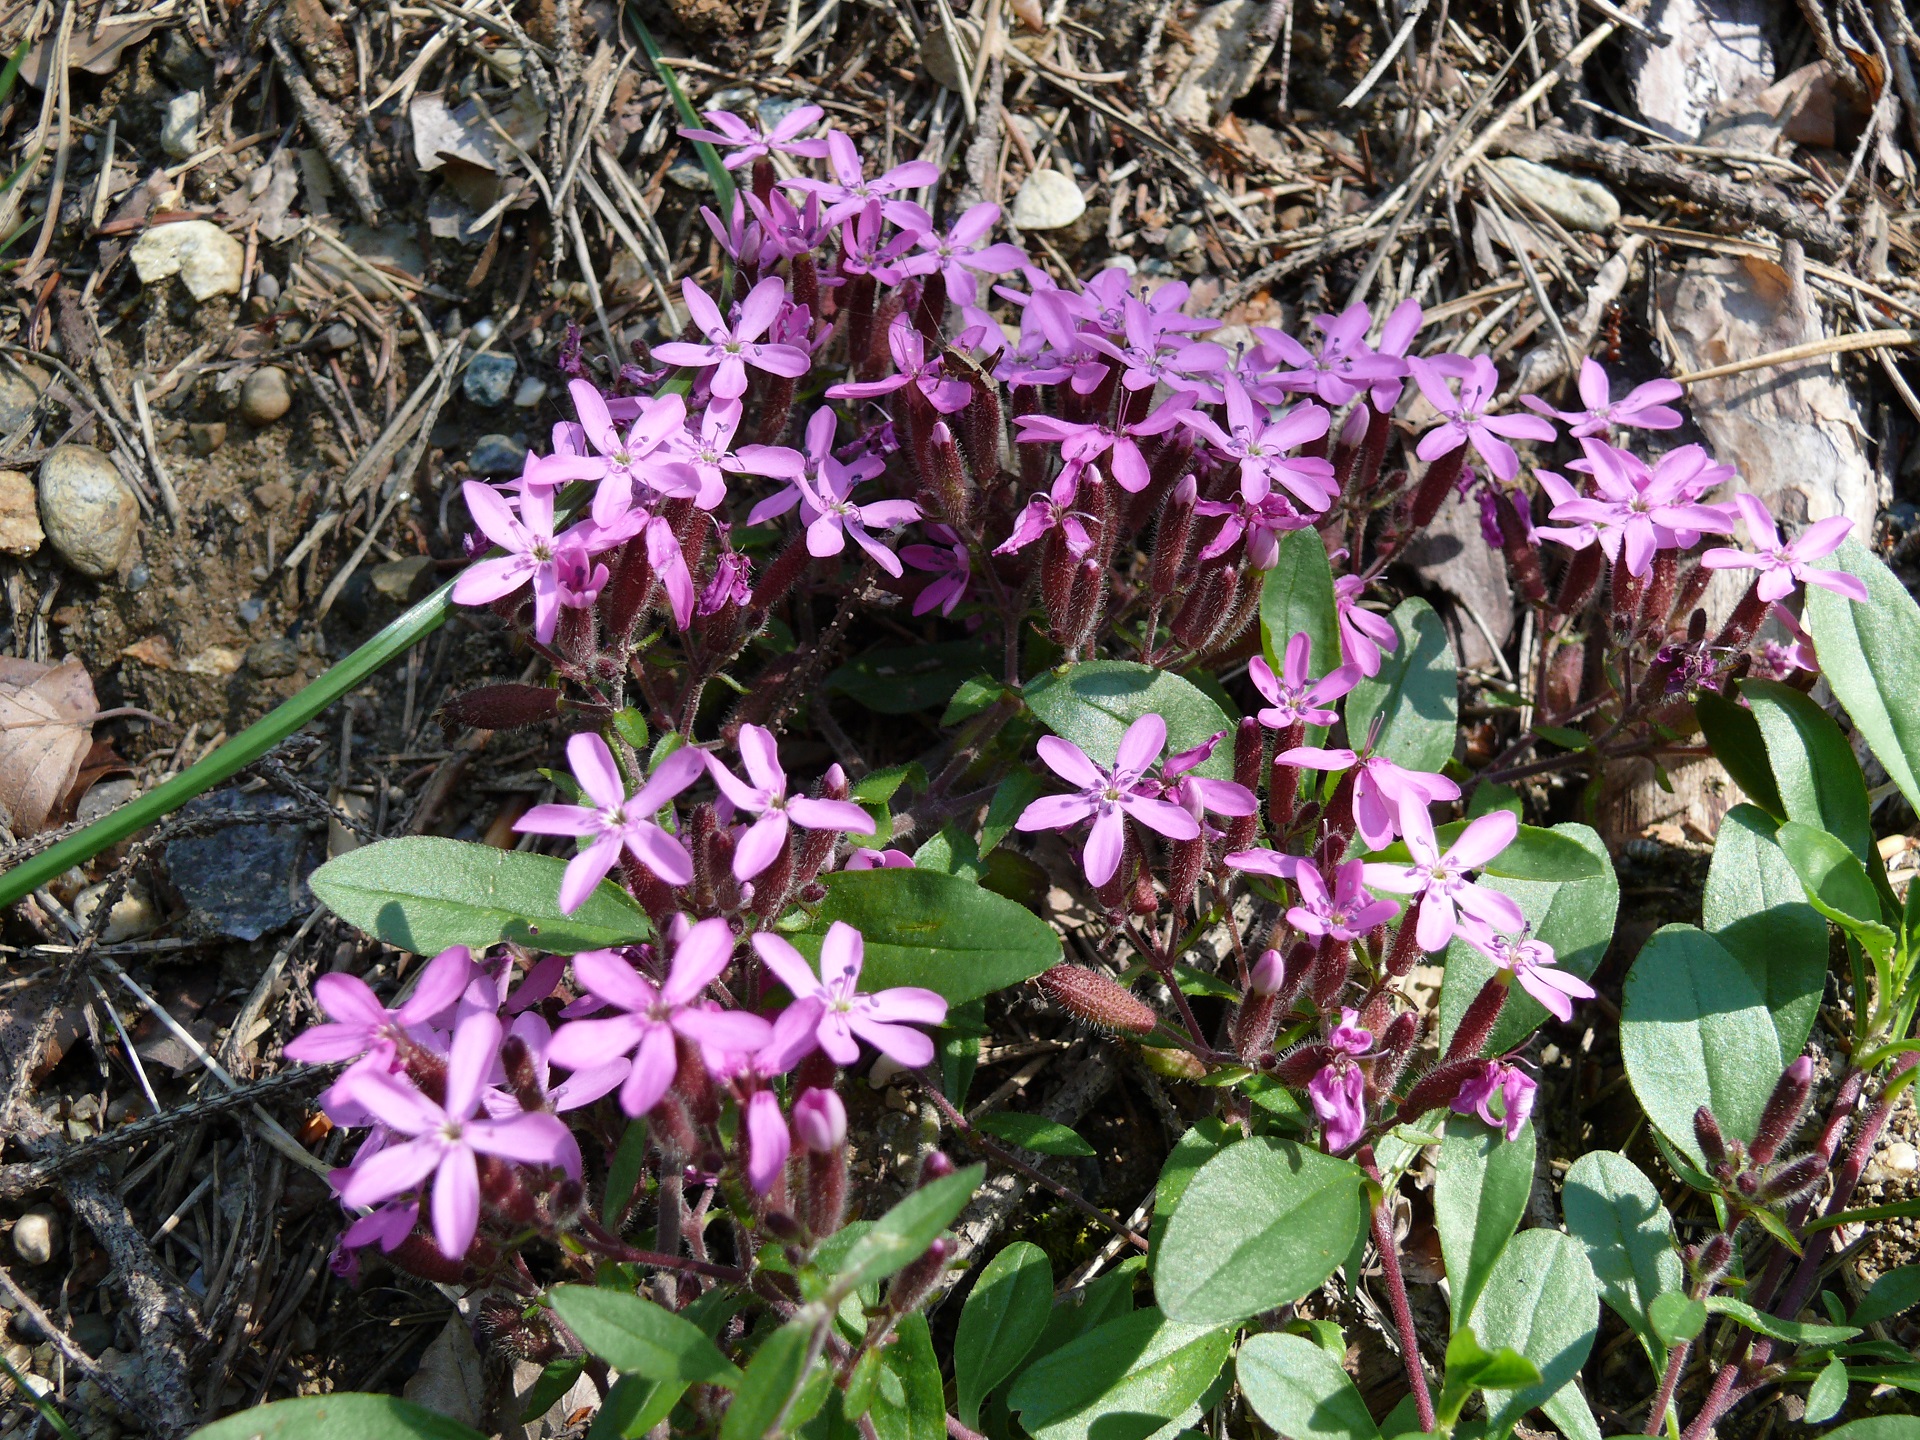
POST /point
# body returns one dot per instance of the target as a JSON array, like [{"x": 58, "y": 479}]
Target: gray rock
[
  {"x": 251, "y": 609},
  {"x": 489, "y": 380},
  {"x": 206, "y": 437},
  {"x": 274, "y": 658},
  {"x": 1181, "y": 240},
  {"x": 497, "y": 455},
  {"x": 1576, "y": 203},
  {"x": 531, "y": 392},
  {"x": 265, "y": 286},
  {"x": 180, "y": 120},
  {"x": 207, "y": 259},
  {"x": 944, "y": 52},
  {"x": 181, "y": 63},
  {"x": 1047, "y": 200},
  {"x": 18, "y": 396},
  {"x": 244, "y": 880},
  {"x": 265, "y": 397},
  {"x": 403, "y": 580},
  {"x": 105, "y": 796},
  {"x": 87, "y": 510},
  {"x": 36, "y": 1235},
  {"x": 688, "y": 173},
  {"x": 20, "y": 532},
  {"x": 338, "y": 336}
]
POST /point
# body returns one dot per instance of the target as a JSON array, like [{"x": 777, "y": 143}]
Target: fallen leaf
[{"x": 46, "y": 729}]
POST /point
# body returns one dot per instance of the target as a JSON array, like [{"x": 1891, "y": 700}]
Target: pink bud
[{"x": 820, "y": 1121}]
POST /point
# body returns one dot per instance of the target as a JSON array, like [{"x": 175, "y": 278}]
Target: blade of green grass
[
  {"x": 12, "y": 72},
  {"x": 718, "y": 173},
  {"x": 39, "y": 1402}
]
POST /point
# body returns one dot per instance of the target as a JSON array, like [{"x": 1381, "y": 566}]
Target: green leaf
[
  {"x": 642, "y": 1338},
  {"x": 1878, "y": 1427},
  {"x": 1005, "y": 1313},
  {"x": 940, "y": 931},
  {"x": 1092, "y": 704},
  {"x": 1676, "y": 1317},
  {"x": 1540, "y": 1301},
  {"x": 1837, "y": 884},
  {"x": 1738, "y": 745},
  {"x": 1301, "y": 1391},
  {"x": 1569, "y": 899},
  {"x": 1870, "y": 658},
  {"x": 633, "y": 1407},
  {"x": 1563, "y": 737},
  {"x": 1010, "y": 800},
  {"x": 1296, "y": 597},
  {"x": 1893, "y": 1292},
  {"x": 1206, "y": 1139},
  {"x": 904, "y": 1232},
  {"x": 631, "y": 726},
  {"x": 1416, "y": 695},
  {"x": 1797, "y": 1332},
  {"x": 1694, "y": 1030},
  {"x": 900, "y": 679},
  {"x": 1034, "y": 1132},
  {"x": 1756, "y": 907},
  {"x": 1820, "y": 781},
  {"x": 973, "y": 696},
  {"x": 623, "y": 1172},
  {"x": 1122, "y": 1381},
  {"x": 774, "y": 1377},
  {"x": 1827, "y": 1396},
  {"x": 1568, "y": 1409},
  {"x": 555, "y": 1380},
  {"x": 1087, "y": 1309},
  {"x": 1615, "y": 1213},
  {"x": 1260, "y": 1224},
  {"x": 1470, "y": 1366},
  {"x": 424, "y": 893},
  {"x": 920, "y": 1413},
  {"x": 334, "y": 1417},
  {"x": 1480, "y": 1188}
]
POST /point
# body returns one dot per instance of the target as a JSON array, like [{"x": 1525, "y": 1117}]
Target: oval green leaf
[
  {"x": 1416, "y": 695},
  {"x": 1819, "y": 778},
  {"x": 334, "y": 1417},
  {"x": 425, "y": 892},
  {"x": 1755, "y": 906},
  {"x": 1005, "y": 1313},
  {"x": 1615, "y": 1213},
  {"x": 1260, "y": 1224},
  {"x": 1301, "y": 1391},
  {"x": 1540, "y": 1300},
  {"x": 1092, "y": 705},
  {"x": 1296, "y": 598},
  {"x": 940, "y": 931},
  {"x": 774, "y": 1378},
  {"x": 1034, "y": 1132},
  {"x": 1870, "y": 657},
  {"x": 639, "y": 1337},
  {"x": 904, "y": 1232},
  {"x": 1124, "y": 1380},
  {"x": 1480, "y": 1189}
]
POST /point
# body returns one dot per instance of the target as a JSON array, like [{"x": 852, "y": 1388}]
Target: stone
[
  {"x": 1181, "y": 240},
  {"x": 87, "y": 510},
  {"x": 1228, "y": 46},
  {"x": 132, "y": 916},
  {"x": 18, "y": 396},
  {"x": 105, "y": 796},
  {"x": 489, "y": 380},
  {"x": 497, "y": 455},
  {"x": 944, "y": 52},
  {"x": 1896, "y": 1163},
  {"x": 1577, "y": 203},
  {"x": 181, "y": 63},
  {"x": 531, "y": 392},
  {"x": 1047, "y": 200},
  {"x": 687, "y": 173},
  {"x": 20, "y": 532},
  {"x": 338, "y": 336},
  {"x": 244, "y": 880},
  {"x": 273, "y": 659},
  {"x": 206, "y": 437},
  {"x": 36, "y": 1235},
  {"x": 403, "y": 580},
  {"x": 180, "y": 122},
  {"x": 207, "y": 259},
  {"x": 265, "y": 397}
]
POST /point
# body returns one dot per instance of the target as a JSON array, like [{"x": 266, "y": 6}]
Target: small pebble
[
  {"x": 687, "y": 173},
  {"x": 337, "y": 336},
  {"x": 484, "y": 327},
  {"x": 1181, "y": 240},
  {"x": 265, "y": 397},
  {"x": 1577, "y": 203},
  {"x": 403, "y": 580},
  {"x": 274, "y": 658},
  {"x": 20, "y": 532},
  {"x": 180, "y": 120},
  {"x": 206, "y": 438},
  {"x": 36, "y": 1235},
  {"x": 87, "y": 510},
  {"x": 203, "y": 255},
  {"x": 489, "y": 380},
  {"x": 497, "y": 455},
  {"x": 250, "y": 610},
  {"x": 531, "y": 392},
  {"x": 267, "y": 288},
  {"x": 1896, "y": 1163},
  {"x": 1047, "y": 200}
]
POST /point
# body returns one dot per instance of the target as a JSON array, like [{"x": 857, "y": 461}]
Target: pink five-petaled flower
[
  {"x": 1349, "y": 1037},
  {"x": 911, "y": 366},
  {"x": 655, "y": 1014},
  {"x": 1262, "y": 522},
  {"x": 534, "y": 553},
  {"x": 829, "y": 1008},
  {"x": 1338, "y": 1096},
  {"x": 358, "y": 1024},
  {"x": 950, "y": 562},
  {"x": 850, "y": 191},
  {"x": 1109, "y": 796},
  {"x": 1292, "y": 698},
  {"x": 615, "y": 819},
  {"x": 1532, "y": 964},
  {"x": 1782, "y": 567},
  {"x": 625, "y": 455},
  {"x": 1259, "y": 444},
  {"x": 1644, "y": 407},
  {"x": 1347, "y": 914},
  {"x": 961, "y": 255},
  {"x": 749, "y": 144},
  {"x": 1637, "y": 511},
  {"x": 734, "y": 348},
  {"x": 1439, "y": 880},
  {"x": 1379, "y": 789},
  {"x": 1346, "y": 364},
  {"x": 1516, "y": 1091},
  {"x": 833, "y": 517},
  {"x": 1046, "y": 512},
  {"x": 767, "y": 798},
  {"x": 1082, "y": 443},
  {"x": 1464, "y": 417},
  {"x": 1363, "y": 634},
  {"x": 1199, "y": 795},
  {"x": 445, "y": 1141}
]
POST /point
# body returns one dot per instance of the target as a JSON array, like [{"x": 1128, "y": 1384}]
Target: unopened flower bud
[
  {"x": 1269, "y": 973},
  {"x": 499, "y": 707},
  {"x": 1097, "y": 999},
  {"x": 945, "y": 478},
  {"x": 1711, "y": 1258},
  {"x": 1303, "y": 1062},
  {"x": 1211, "y": 594},
  {"x": 1706, "y": 1134},
  {"x": 517, "y": 1060},
  {"x": 1793, "y": 1179},
  {"x": 1577, "y": 585},
  {"x": 782, "y": 1226},
  {"x": 1434, "y": 485},
  {"x": 1397, "y": 1040},
  {"x": 980, "y": 429},
  {"x": 1088, "y": 604},
  {"x": 1254, "y": 1025},
  {"x": 1440, "y": 1086},
  {"x": 1477, "y": 1024},
  {"x": 1187, "y": 860},
  {"x": 937, "y": 1165},
  {"x": 1171, "y": 537},
  {"x": 820, "y": 1121},
  {"x": 917, "y": 1277},
  {"x": 1785, "y": 1108},
  {"x": 777, "y": 578}
]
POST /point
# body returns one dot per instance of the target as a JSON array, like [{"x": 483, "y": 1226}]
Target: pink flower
[
  {"x": 1644, "y": 407},
  {"x": 1345, "y": 366},
  {"x": 867, "y": 249},
  {"x": 445, "y": 1141},
  {"x": 358, "y": 1024},
  {"x": 1292, "y": 697},
  {"x": 1514, "y": 1089},
  {"x": 1050, "y": 511},
  {"x": 1082, "y": 443},
  {"x": 1363, "y": 634},
  {"x": 911, "y": 367},
  {"x": 1637, "y": 511},
  {"x": 1783, "y": 567},
  {"x": 615, "y": 820},
  {"x": 836, "y": 1015},
  {"x": 1379, "y": 789},
  {"x": 786, "y": 231},
  {"x": 768, "y": 1143},
  {"x": 950, "y": 561},
  {"x": 833, "y": 517},
  {"x": 1200, "y": 796},
  {"x": 1109, "y": 796},
  {"x": 386, "y": 1227},
  {"x": 1532, "y": 964},
  {"x": 1347, "y": 914},
  {"x": 1155, "y": 353},
  {"x": 734, "y": 348},
  {"x": 625, "y": 456},
  {"x": 1793, "y": 653},
  {"x": 652, "y": 1015},
  {"x": 1396, "y": 337},
  {"x": 850, "y": 190},
  {"x": 1338, "y": 1096},
  {"x": 749, "y": 144},
  {"x": 785, "y": 463},
  {"x": 1439, "y": 881},
  {"x": 1260, "y": 444},
  {"x": 1465, "y": 418},
  {"x": 577, "y": 579},
  {"x": 1263, "y": 522},
  {"x": 767, "y": 798},
  {"x": 867, "y": 858},
  {"x": 732, "y": 584},
  {"x": 961, "y": 254},
  {"x": 1349, "y": 1037},
  {"x": 533, "y": 552},
  {"x": 820, "y": 1121}
]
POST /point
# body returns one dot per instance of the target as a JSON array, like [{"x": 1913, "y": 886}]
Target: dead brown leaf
[{"x": 46, "y": 729}]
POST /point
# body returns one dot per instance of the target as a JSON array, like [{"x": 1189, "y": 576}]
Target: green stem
[{"x": 242, "y": 750}]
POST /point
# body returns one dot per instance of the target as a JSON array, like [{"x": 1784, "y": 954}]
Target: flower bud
[
  {"x": 1057, "y": 570},
  {"x": 917, "y": 1277},
  {"x": 1211, "y": 594},
  {"x": 1658, "y": 600},
  {"x": 1097, "y": 999},
  {"x": 505, "y": 1328},
  {"x": 1706, "y": 1134},
  {"x": 930, "y": 311},
  {"x": 1171, "y": 537},
  {"x": 1711, "y": 1258},
  {"x": 1577, "y": 585},
  {"x": 936, "y": 1165},
  {"x": 1785, "y": 1109},
  {"x": 1794, "y": 1179},
  {"x": 1025, "y": 400},
  {"x": 1477, "y": 1024},
  {"x": 499, "y": 707},
  {"x": 1188, "y": 859},
  {"x": 945, "y": 477},
  {"x": 1269, "y": 973},
  {"x": 1692, "y": 587},
  {"x": 624, "y": 597},
  {"x": 782, "y": 1226},
  {"x": 777, "y": 578},
  {"x": 1434, "y": 486},
  {"x": 1332, "y": 968},
  {"x": 1089, "y": 602},
  {"x": 980, "y": 429},
  {"x": 1254, "y": 1024},
  {"x": 1441, "y": 1086},
  {"x": 1397, "y": 1040},
  {"x": 1623, "y": 595},
  {"x": 1249, "y": 743},
  {"x": 819, "y": 1121},
  {"x": 1519, "y": 546}
]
